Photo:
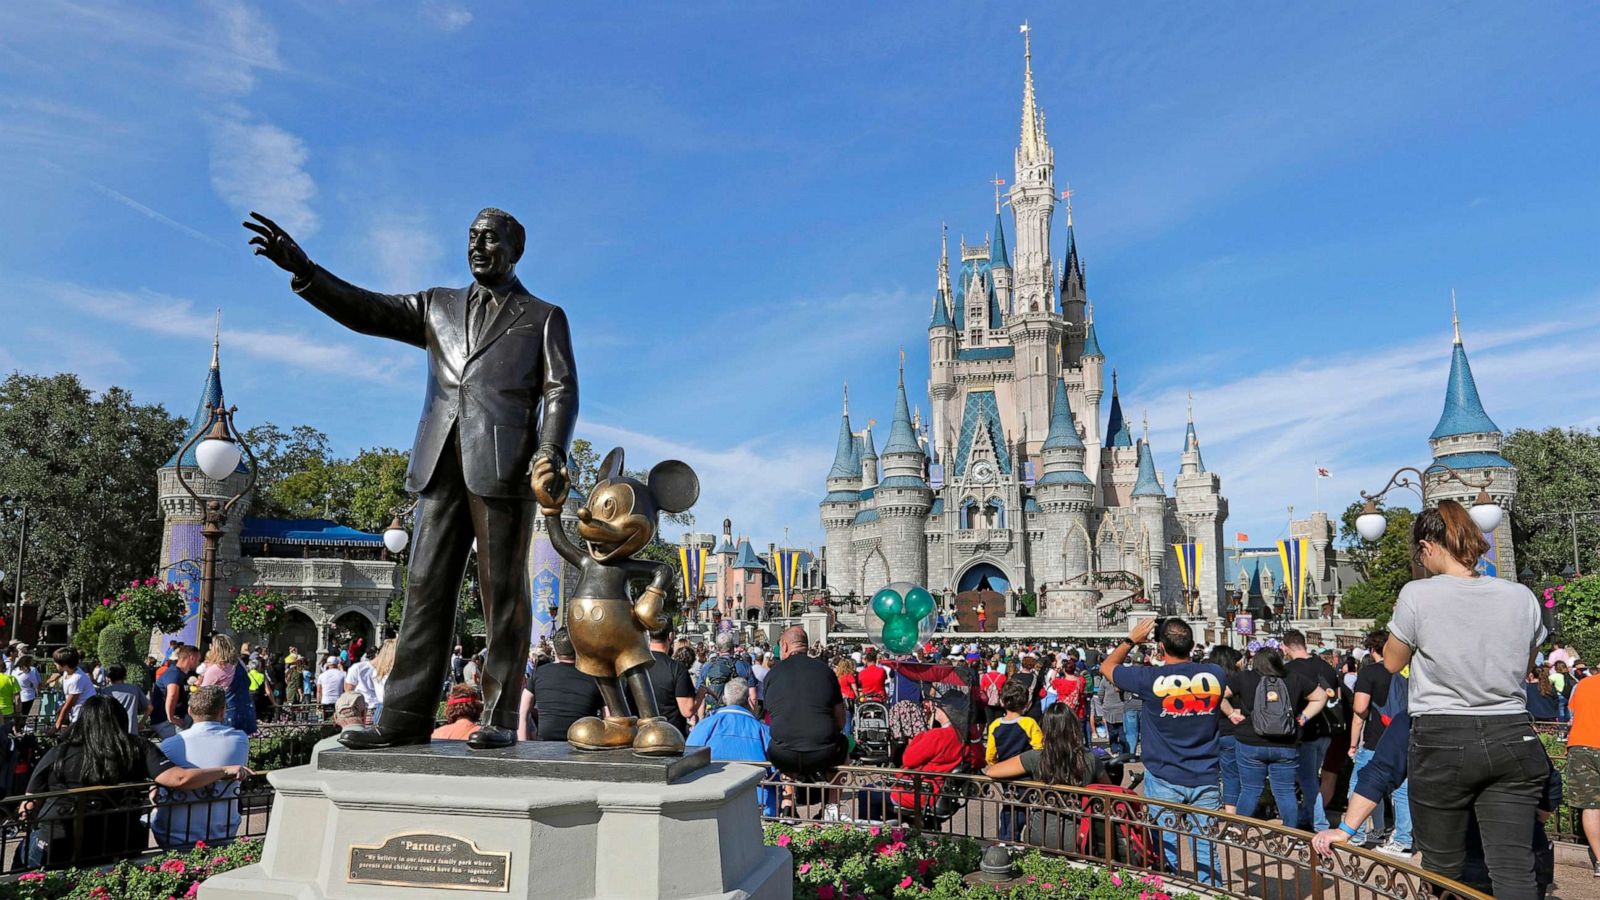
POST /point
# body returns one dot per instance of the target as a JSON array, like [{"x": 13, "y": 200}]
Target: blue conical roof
[
  {"x": 1091, "y": 342},
  {"x": 902, "y": 437},
  {"x": 210, "y": 396},
  {"x": 1147, "y": 485},
  {"x": 1063, "y": 432},
  {"x": 1192, "y": 442},
  {"x": 1463, "y": 411},
  {"x": 747, "y": 558},
  {"x": 867, "y": 450},
  {"x": 941, "y": 312},
  {"x": 996, "y": 319},
  {"x": 1117, "y": 433},
  {"x": 997, "y": 250},
  {"x": 845, "y": 464}
]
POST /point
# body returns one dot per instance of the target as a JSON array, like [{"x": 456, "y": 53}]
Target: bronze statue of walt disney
[{"x": 608, "y": 629}]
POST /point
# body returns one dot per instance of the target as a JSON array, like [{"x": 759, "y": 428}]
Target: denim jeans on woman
[
  {"x": 1312, "y": 816},
  {"x": 1260, "y": 765},
  {"x": 1206, "y": 797},
  {"x": 1493, "y": 766},
  {"x": 1227, "y": 755},
  {"x": 1130, "y": 730}
]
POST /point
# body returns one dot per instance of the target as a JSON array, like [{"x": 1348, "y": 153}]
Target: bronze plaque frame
[{"x": 499, "y": 863}]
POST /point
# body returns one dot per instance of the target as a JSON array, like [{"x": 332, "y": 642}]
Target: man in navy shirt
[{"x": 1178, "y": 724}]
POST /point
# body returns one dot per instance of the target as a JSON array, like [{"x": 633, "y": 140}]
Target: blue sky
[{"x": 739, "y": 206}]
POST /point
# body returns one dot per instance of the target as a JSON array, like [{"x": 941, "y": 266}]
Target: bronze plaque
[{"x": 428, "y": 860}]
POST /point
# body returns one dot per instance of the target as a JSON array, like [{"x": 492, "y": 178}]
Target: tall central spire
[{"x": 1033, "y": 140}]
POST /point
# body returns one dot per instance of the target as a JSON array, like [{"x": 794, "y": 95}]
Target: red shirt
[
  {"x": 872, "y": 681},
  {"x": 847, "y": 686},
  {"x": 935, "y": 750},
  {"x": 994, "y": 678},
  {"x": 1069, "y": 690}
]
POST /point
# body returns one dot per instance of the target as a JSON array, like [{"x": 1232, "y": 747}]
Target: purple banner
[{"x": 187, "y": 544}]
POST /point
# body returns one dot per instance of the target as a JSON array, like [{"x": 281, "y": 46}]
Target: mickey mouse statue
[{"x": 608, "y": 630}]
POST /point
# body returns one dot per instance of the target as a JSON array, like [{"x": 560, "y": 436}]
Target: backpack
[
  {"x": 991, "y": 690},
  {"x": 1273, "y": 712},
  {"x": 718, "y": 673}
]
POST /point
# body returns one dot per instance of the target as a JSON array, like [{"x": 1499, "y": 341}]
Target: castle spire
[
  {"x": 902, "y": 436},
  {"x": 1455, "y": 318},
  {"x": 1033, "y": 146},
  {"x": 997, "y": 248},
  {"x": 1463, "y": 410},
  {"x": 1091, "y": 342},
  {"x": 1117, "y": 431},
  {"x": 845, "y": 462},
  {"x": 216, "y": 340},
  {"x": 941, "y": 295},
  {"x": 1063, "y": 431},
  {"x": 1191, "y": 443},
  {"x": 210, "y": 399},
  {"x": 1147, "y": 485}
]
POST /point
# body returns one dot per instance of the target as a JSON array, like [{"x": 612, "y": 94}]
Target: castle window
[{"x": 1038, "y": 364}]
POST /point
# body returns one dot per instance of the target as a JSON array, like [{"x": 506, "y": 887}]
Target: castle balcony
[
  {"x": 346, "y": 578},
  {"x": 992, "y": 540}
]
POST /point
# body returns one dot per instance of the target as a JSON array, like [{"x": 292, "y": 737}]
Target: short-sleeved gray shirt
[{"x": 1471, "y": 639}]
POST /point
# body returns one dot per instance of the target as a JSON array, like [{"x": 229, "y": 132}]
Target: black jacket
[{"x": 493, "y": 393}]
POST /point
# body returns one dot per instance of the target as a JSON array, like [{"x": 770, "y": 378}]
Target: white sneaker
[
  {"x": 830, "y": 813},
  {"x": 1394, "y": 849}
]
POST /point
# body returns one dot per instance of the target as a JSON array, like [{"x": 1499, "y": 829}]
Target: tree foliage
[
  {"x": 1385, "y": 566},
  {"x": 85, "y": 466},
  {"x": 298, "y": 478},
  {"x": 1578, "y": 610},
  {"x": 280, "y": 454},
  {"x": 1558, "y": 473}
]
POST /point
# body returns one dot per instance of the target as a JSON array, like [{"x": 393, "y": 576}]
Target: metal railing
[
  {"x": 93, "y": 826},
  {"x": 1207, "y": 850}
]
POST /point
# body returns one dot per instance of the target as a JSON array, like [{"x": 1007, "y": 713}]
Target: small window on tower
[{"x": 1038, "y": 365}]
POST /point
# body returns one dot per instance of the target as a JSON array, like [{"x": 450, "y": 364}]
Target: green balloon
[
  {"x": 919, "y": 603},
  {"x": 887, "y": 603},
  {"x": 900, "y": 634}
]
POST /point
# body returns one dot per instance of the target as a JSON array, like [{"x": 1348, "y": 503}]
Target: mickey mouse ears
[{"x": 675, "y": 486}]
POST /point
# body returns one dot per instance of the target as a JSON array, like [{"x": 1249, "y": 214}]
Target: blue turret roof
[
  {"x": 210, "y": 396},
  {"x": 1063, "y": 431},
  {"x": 941, "y": 313},
  {"x": 1117, "y": 432},
  {"x": 845, "y": 464},
  {"x": 1091, "y": 342},
  {"x": 997, "y": 250},
  {"x": 1192, "y": 442},
  {"x": 747, "y": 558},
  {"x": 1463, "y": 411},
  {"x": 902, "y": 437},
  {"x": 1147, "y": 485},
  {"x": 868, "y": 451}
]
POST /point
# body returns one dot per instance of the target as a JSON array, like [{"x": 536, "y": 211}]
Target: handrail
[{"x": 1248, "y": 857}]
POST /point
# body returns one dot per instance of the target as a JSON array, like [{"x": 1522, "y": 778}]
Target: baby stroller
[{"x": 873, "y": 745}]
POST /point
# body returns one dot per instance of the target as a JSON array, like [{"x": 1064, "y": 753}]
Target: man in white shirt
[
  {"x": 330, "y": 684},
  {"x": 363, "y": 679},
  {"x": 180, "y": 817},
  {"x": 74, "y": 683}
]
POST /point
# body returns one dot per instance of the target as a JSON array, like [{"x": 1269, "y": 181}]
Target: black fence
[{"x": 1207, "y": 850}]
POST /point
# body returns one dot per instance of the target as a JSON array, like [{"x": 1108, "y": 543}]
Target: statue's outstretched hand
[
  {"x": 549, "y": 485},
  {"x": 275, "y": 244},
  {"x": 650, "y": 610}
]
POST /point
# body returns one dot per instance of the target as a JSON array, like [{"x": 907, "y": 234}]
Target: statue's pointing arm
[
  {"x": 395, "y": 316},
  {"x": 560, "y": 388}
]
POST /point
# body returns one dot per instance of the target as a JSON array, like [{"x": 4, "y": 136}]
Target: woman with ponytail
[{"x": 1469, "y": 641}]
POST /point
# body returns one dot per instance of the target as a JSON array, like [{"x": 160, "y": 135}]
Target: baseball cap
[{"x": 350, "y": 702}]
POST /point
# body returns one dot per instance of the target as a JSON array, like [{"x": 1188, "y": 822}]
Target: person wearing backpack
[
  {"x": 1268, "y": 705},
  {"x": 990, "y": 687},
  {"x": 718, "y": 671}
]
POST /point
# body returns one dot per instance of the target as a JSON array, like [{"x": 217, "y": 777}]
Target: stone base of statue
[{"x": 534, "y": 820}]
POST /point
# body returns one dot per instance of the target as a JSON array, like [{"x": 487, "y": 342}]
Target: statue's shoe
[
  {"x": 491, "y": 738},
  {"x": 657, "y": 737},
  {"x": 594, "y": 733},
  {"x": 376, "y": 737}
]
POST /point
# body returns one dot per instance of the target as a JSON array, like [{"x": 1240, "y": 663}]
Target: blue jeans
[
  {"x": 1402, "y": 814},
  {"x": 1312, "y": 816},
  {"x": 1207, "y": 796},
  {"x": 1130, "y": 731},
  {"x": 1364, "y": 756},
  {"x": 1260, "y": 766},
  {"x": 1230, "y": 769}
]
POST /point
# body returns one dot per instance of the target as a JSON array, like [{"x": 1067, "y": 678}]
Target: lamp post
[
  {"x": 1485, "y": 513},
  {"x": 217, "y": 450},
  {"x": 22, "y": 551}
]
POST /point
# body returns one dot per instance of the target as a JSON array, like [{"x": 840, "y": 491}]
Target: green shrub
[
  {"x": 161, "y": 877},
  {"x": 86, "y": 640},
  {"x": 118, "y": 645}
]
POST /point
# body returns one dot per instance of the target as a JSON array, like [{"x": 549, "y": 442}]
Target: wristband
[
  {"x": 1130, "y": 642},
  {"x": 1347, "y": 829}
]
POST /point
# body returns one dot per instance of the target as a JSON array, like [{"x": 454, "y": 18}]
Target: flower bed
[
  {"x": 170, "y": 876},
  {"x": 839, "y": 862}
]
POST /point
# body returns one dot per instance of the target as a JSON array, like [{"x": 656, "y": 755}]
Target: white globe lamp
[
  {"x": 395, "y": 537},
  {"x": 1371, "y": 524},
  {"x": 1486, "y": 513}
]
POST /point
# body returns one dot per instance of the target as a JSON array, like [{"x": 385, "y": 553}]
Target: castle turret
[
  {"x": 868, "y": 457},
  {"x": 902, "y": 498},
  {"x": 1468, "y": 443},
  {"x": 182, "y": 517},
  {"x": 941, "y": 348},
  {"x": 1033, "y": 197},
  {"x": 1065, "y": 494},
  {"x": 1000, "y": 260},
  {"x": 1202, "y": 510},
  {"x": 839, "y": 510},
  {"x": 1150, "y": 504}
]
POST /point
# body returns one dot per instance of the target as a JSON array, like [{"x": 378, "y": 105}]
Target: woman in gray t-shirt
[{"x": 1469, "y": 640}]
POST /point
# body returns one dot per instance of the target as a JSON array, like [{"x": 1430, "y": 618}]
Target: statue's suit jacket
[{"x": 511, "y": 393}]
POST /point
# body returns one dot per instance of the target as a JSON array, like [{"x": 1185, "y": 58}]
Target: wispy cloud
[
  {"x": 446, "y": 16},
  {"x": 407, "y": 252},
  {"x": 257, "y": 165},
  {"x": 159, "y": 313},
  {"x": 244, "y": 42},
  {"x": 136, "y": 206}
]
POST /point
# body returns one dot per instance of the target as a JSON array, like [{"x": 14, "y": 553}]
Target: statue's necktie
[{"x": 480, "y": 312}]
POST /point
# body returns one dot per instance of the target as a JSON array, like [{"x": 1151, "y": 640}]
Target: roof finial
[
  {"x": 1191, "y": 407},
  {"x": 1455, "y": 319},
  {"x": 902, "y": 366},
  {"x": 1088, "y": 309},
  {"x": 847, "y": 397},
  {"x": 1113, "y": 381},
  {"x": 1032, "y": 128},
  {"x": 998, "y": 183},
  {"x": 1067, "y": 196},
  {"x": 216, "y": 342},
  {"x": 1147, "y": 426}
]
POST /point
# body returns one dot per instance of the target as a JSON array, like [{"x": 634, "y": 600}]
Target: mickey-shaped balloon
[
  {"x": 608, "y": 630},
  {"x": 901, "y": 616}
]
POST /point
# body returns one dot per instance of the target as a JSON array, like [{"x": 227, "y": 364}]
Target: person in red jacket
[
  {"x": 872, "y": 681},
  {"x": 941, "y": 749}
]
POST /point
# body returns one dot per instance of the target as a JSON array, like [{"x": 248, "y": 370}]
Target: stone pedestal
[
  {"x": 536, "y": 820},
  {"x": 816, "y": 626}
]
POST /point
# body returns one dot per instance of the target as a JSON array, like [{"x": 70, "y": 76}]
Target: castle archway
[{"x": 983, "y": 576}]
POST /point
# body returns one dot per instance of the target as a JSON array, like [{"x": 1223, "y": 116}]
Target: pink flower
[
  {"x": 923, "y": 865},
  {"x": 269, "y": 606},
  {"x": 784, "y": 840},
  {"x": 133, "y": 583},
  {"x": 193, "y": 891},
  {"x": 899, "y": 834},
  {"x": 199, "y": 845},
  {"x": 106, "y": 602},
  {"x": 31, "y": 876},
  {"x": 1048, "y": 886},
  {"x": 804, "y": 868},
  {"x": 825, "y": 892},
  {"x": 906, "y": 881},
  {"x": 874, "y": 831},
  {"x": 175, "y": 866},
  {"x": 1549, "y": 604},
  {"x": 1152, "y": 880},
  {"x": 1116, "y": 879}
]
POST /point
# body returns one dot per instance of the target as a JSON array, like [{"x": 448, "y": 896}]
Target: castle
[{"x": 1012, "y": 486}]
